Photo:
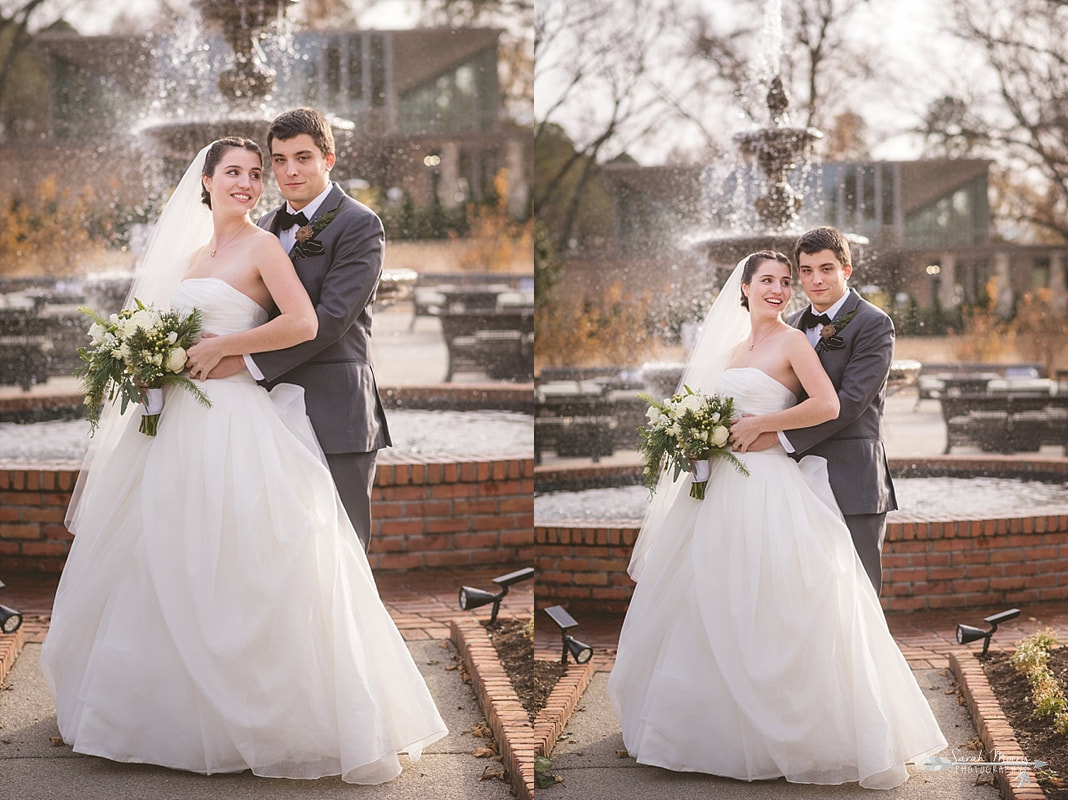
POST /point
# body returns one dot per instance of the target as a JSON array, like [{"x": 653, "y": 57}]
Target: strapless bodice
[
  {"x": 224, "y": 308},
  {"x": 754, "y": 391}
]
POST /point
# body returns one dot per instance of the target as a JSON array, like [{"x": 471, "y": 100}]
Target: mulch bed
[
  {"x": 532, "y": 679},
  {"x": 1038, "y": 738}
]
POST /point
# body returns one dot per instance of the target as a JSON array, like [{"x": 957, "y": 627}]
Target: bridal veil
[
  {"x": 724, "y": 327},
  {"x": 184, "y": 225}
]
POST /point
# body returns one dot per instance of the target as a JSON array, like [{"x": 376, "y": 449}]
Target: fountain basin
[
  {"x": 469, "y": 504},
  {"x": 428, "y": 511},
  {"x": 930, "y": 560}
]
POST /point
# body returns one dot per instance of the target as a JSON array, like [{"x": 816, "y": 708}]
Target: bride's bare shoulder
[{"x": 267, "y": 243}]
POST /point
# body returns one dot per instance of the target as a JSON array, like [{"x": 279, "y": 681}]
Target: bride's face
[
  {"x": 237, "y": 183},
  {"x": 770, "y": 288}
]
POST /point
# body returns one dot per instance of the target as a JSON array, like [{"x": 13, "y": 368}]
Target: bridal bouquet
[
  {"x": 133, "y": 355},
  {"x": 686, "y": 430}
]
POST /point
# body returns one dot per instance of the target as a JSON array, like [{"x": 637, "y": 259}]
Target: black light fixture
[
  {"x": 580, "y": 651},
  {"x": 10, "y": 619},
  {"x": 473, "y": 598},
  {"x": 968, "y": 633}
]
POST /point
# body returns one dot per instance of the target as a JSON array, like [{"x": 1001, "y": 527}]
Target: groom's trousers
[
  {"x": 354, "y": 475},
  {"x": 868, "y": 532}
]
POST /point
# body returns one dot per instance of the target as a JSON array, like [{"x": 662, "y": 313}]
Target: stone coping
[
  {"x": 1030, "y": 466},
  {"x": 995, "y": 732},
  {"x": 437, "y": 396},
  {"x": 519, "y": 740}
]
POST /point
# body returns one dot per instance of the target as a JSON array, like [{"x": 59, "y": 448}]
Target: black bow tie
[
  {"x": 810, "y": 320},
  {"x": 287, "y": 220}
]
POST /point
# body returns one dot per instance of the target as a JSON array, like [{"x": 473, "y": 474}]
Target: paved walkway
[
  {"x": 421, "y": 603},
  {"x": 591, "y": 759},
  {"x": 590, "y": 755}
]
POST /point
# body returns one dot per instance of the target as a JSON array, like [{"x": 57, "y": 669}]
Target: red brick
[
  {"x": 448, "y": 524},
  {"x": 402, "y": 526}
]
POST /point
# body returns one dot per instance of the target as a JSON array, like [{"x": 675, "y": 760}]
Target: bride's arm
[
  {"x": 295, "y": 323},
  {"x": 820, "y": 405}
]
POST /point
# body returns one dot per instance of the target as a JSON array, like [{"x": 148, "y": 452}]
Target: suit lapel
[{"x": 850, "y": 304}]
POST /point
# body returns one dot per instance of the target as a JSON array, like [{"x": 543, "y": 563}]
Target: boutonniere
[
  {"x": 829, "y": 334},
  {"x": 306, "y": 243}
]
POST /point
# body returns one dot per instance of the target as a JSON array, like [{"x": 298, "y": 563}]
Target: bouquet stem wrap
[
  {"x": 151, "y": 407},
  {"x": 702, "y": 469}
]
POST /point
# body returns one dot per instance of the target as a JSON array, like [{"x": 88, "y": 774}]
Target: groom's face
[
  {"x": 823, "y": 277},
  {"x": 301, "y": 169}
]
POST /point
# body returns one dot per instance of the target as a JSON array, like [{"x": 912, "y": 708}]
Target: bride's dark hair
[
  {"x": 215, "y": 152},
  {"x": 754, "y": 261}
]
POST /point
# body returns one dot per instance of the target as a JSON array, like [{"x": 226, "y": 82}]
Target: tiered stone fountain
[
  {"x": 243, "y": 86},
  {"x": 778, "y": 149}
]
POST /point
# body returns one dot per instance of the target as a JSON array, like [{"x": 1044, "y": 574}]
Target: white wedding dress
[
  {"x": 217, "y": 612},
  {"x": 754, "y": 646}
]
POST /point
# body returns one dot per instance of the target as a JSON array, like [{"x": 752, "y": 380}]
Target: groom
[
  {"x": 336, "y": 246},
  {"x": 855, "y": 343}
]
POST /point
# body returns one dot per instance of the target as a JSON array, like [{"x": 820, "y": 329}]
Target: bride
[
  {"x": 217, "y": 612},
  {"x": 754, "y": 646}
]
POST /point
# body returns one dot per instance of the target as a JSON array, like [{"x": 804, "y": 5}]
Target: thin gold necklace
[
  {"x": 217, "y": 247},
  {"x": 762, "y": 338}
]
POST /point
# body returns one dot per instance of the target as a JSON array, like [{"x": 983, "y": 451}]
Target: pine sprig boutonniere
[
  {"x": 829, "y": 334},
  {"x": 306, "y": 244}
]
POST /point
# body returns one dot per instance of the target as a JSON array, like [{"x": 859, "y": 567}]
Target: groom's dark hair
[
  {"x": 825, "y": 238},
  {"x": 302, "y": 120}
]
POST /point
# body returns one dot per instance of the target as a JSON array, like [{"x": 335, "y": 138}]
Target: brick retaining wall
[
  {"x": 428, "y": 512},
  {"x": 927, "y": 564}
]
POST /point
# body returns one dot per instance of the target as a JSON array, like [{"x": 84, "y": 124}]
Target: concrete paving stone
[{"x": 32, "y": 768}]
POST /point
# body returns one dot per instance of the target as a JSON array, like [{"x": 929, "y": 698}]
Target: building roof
[{"x": 419, "y": 55}]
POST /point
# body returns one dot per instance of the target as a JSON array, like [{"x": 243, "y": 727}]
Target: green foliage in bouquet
[
  {"x": 135, "y": 350},
  {"x": 688, "y": 427}
]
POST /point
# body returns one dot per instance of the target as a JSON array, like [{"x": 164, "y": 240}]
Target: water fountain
[
  {"x": 40, "y": 341},
  {"x": 243, "y": 86},
  {"x": 936, "y": 555},
  {"x": 778, "y": 148}
]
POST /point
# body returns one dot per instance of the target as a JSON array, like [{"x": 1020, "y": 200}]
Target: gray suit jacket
[
  {"x": 335, "y": 367},
  {"x": 852, "y": 443}
]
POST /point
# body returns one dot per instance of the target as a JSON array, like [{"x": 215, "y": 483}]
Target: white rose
[
  {"x": 114, "y": 320},
  {"x": 96, "y": 333},
  {"x": 142, "y": 318},
  {"x": 652, "y": 414},
  {"x": 715, "y": 417},
  {"x": 176, "y": 360},
  {"x": 720, "y": 436},
  {"x": 172, "y": 337},
  {"x": 692, "y": 403}
]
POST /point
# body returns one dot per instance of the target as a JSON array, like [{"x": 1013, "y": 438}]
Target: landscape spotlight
[
  {"x": 967, "y": 633},
  {"x": 564, "y": 621},
  {"x": 473, "y": 598},
  {"x": 10, "y": 619}
]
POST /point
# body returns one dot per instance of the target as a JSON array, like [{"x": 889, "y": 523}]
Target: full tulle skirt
[
  {"x": 754, "y": 646},
  {"x": 217, "y": 612}
]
